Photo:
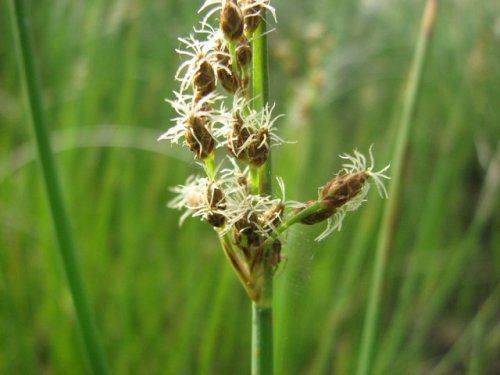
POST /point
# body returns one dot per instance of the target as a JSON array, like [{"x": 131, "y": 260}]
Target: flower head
[
  {"x": 250, "y": 9},
  {"x": 248, "y": 134},
  {"x": 226, "y": 202},
  {"x": 200, "y": 69},
  {"x": 200, "y": 197},
  {"x": 346, "y": 191},
  {"x": 194, "y": 122}
]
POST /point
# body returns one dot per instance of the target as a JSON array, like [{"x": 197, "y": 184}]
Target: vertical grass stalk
[
  {"x": 262, "y": 330},
  {"x": 260, "y": 91},
  {"x": 390, "y": 209},
  {"x": 54, "y": 193},
  {"x": 262, "y": 322}
]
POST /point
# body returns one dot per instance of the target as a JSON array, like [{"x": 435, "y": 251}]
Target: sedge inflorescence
[{"x": 220, "y": 117}]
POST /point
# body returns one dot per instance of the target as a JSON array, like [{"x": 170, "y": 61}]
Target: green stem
[
  {"x": 210, "y": 166},
  {"x": 299, "y": 216},
  {"x": 260, "y": 91},
  {"x": 390, "y": 209},
  {"x": 262, "y": 329},
  {"x": 234, "y": 58},
  {"x": 262, "y": 325},
  {"x": 254, "y": 180},
  {"x": 293, "y": 220},
  {"x": 60, "y": 218}
]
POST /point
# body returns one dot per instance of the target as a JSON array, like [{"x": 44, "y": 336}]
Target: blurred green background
[{"x": 165, "y": 300}]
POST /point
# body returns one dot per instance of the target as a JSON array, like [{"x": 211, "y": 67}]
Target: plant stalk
[
  {"x": 390, "y": 209},
  {"x": 260, "y": 91},
  {"x": 262, "y": 329},
  {"x": 262, "y": 324},
  {"x": 58, "y": 210}
]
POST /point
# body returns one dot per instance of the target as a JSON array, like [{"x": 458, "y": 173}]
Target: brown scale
[
  {"x": 228, "y": 80},
  {"x": 244, "y": 52},
  {"x": 343, "y": 188},
  {"x": 246, "y": 233},
  {"x": 204, "y": 78},
  {"x": 222, "y": 54},
  {"x": 216, "y": 201},
  {"x": 215, "y": 219},
  {"x": 198, "y": 138},
  {"x": 274, "y": 256},
  {"x": 252, "y": 16},
  {"x": 225, "y": 73},
  {"x": 239, "y": 136},
  {"x": 258, "y": 150},
  {"x": 231, "y": 20}
]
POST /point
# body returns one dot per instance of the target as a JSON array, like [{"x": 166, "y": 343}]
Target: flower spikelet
[
  {"x": 194, "y": 122},
  {"x": 219, "y": 110},
  {"x": 346, "y": 191}
]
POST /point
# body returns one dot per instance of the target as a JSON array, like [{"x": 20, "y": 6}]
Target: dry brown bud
[
  {"x": 274, "y": 255},
  {"x": 238, "y": 136},
  {"x": 198, "y": 138},
  {"x": 246, "y": 233},
  {"x": 216, "y": 200},
  {"x": 204, "y": 78},
  {"x": 252, "y": 14},
  {"x": 343, "y": 188},
  {"x": 258, "y": 150},
  {"x": 244, "y": 52},
  {"x": 231, "y": 20},
  {"x": 228, "y": 80}
]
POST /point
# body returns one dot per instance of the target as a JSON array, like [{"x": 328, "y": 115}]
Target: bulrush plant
[{"x": 225, "y": 119}]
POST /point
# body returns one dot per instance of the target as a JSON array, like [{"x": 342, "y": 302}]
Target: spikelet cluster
[{"x": 217, "y": 120}]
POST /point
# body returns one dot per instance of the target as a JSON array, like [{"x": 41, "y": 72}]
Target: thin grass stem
[
  {"x": 60, "y": 218},
  {"x": 260, "y": 91},
  {"x": 386, "y": 229},
  {"x": 262, "y": 330},
  {"x": 262, "y": 323}
]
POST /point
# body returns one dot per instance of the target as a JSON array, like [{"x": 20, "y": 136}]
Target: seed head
[
  {"x": 199, "y": 70},
  {"x": 258, "y": 149},
  {"x": 194, "y": 123},
  {"x": 248, "y": 133},
  {"x": 231, "y": 20},
  {"x": 345, "y": 192},
  {"x": 252, "y": 12},
  {"x": 216, "y": 201},
  {"x": 244, "y": 52},
  {"x": 200, "y": 197},
  {"x": 204, "y": 79},
  {"x": 343, "y": 188},
  {"x": 238, "y": 136},
  {"x": 253, "y": 16}
]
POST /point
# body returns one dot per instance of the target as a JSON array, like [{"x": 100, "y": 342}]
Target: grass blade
[
  {"x": 375, "y": 295},
  {"x": 53, "y": 188}
]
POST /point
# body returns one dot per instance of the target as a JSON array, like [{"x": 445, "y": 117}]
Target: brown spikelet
[
  {"x": 239, "y": 136},
  {"x": 258, "y": 150},
  {"x": 252, "y": 16},
  {"x": 244, "y": 52},
  {"x": 231, "y": 20},
  {"x": 198, "y": 138},
  {"x": 204, "y": 78},
  {"x": 216, "y": 200},
  {"x": 343, "y": 187}
]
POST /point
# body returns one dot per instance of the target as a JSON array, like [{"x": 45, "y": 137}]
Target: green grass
[{"x": 164, "y": 299}]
